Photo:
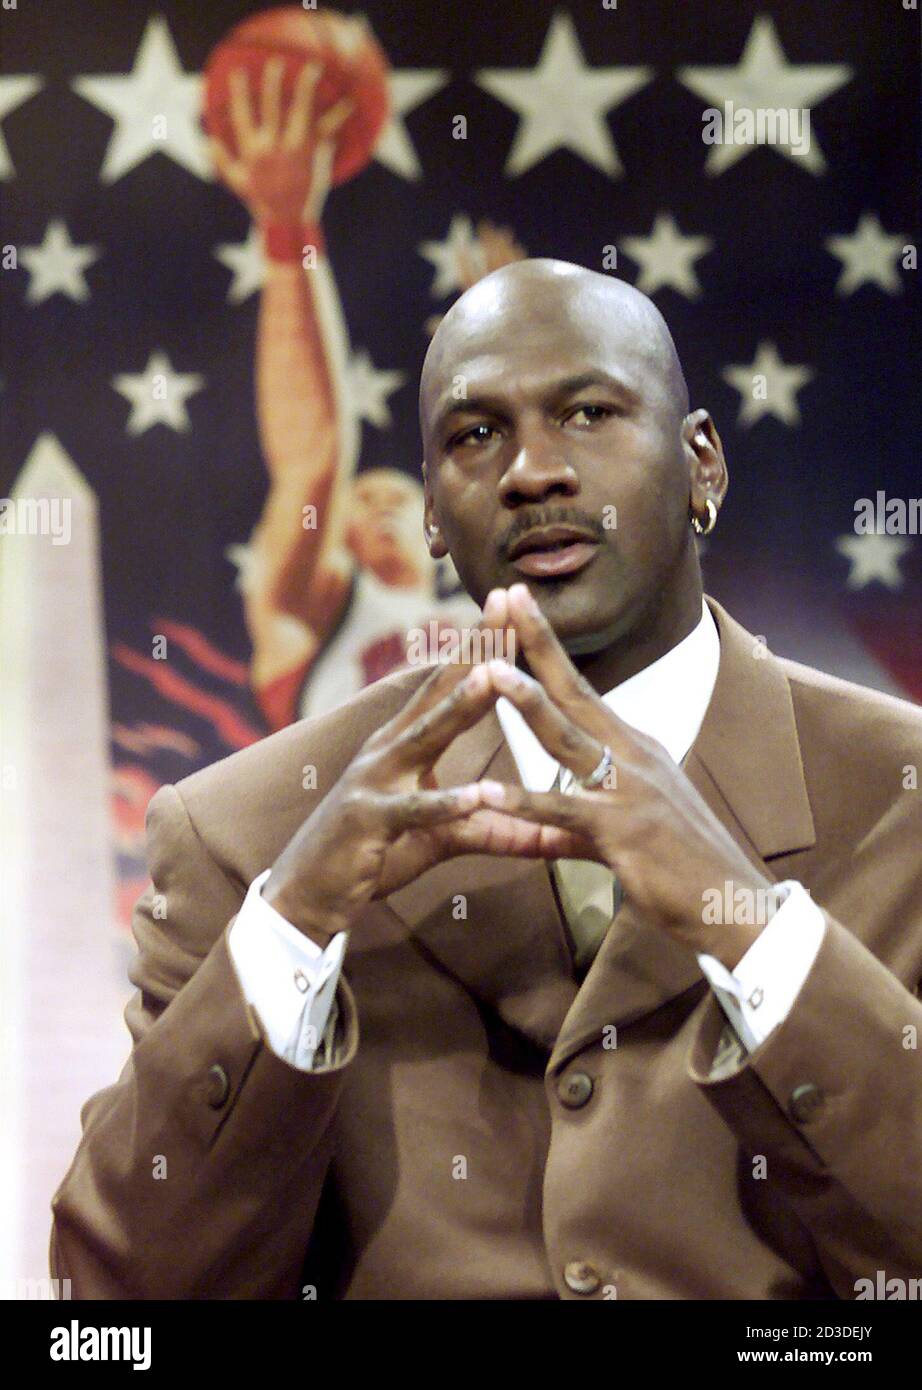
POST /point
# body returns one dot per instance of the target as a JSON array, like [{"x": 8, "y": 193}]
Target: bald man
[{"x": 585, "y": 971}]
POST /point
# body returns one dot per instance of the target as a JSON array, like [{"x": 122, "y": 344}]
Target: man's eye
[
  {"x": 473, "y": 435},
  {"x": 593, "y": 412}
]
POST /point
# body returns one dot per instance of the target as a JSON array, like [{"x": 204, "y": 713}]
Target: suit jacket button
[
  {"x": 581, "y": 1277},
  {"x": 806, "y": 1102},
  {"x": 574, "y": 1090},
  {"x": 218, "y": 1086}
]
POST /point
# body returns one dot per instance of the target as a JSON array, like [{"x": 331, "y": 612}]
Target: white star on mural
[
  {"x": 666, "y": 257},
  {"x": 14, "y": 90},
  {"x": 409, "y": 88},
  {"x": 562, "y": 102},
  {"x": 868, "y": 256},
  {"x": 775, "y": 393},
  {"x": 155, "y": 108},
  {"x": 246, "y": 262},
  {"x": 157, "y": 395},
  {"x": 57, "y": 265},
  {"x": 447, "y": 255},
  {"x": 871, "y": 557},
  {"x": 764, "y": 79},
  {"x": 369, "y": 389}
]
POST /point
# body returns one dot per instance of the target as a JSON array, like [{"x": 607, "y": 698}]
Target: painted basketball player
[{"x": 336, "y": 571}]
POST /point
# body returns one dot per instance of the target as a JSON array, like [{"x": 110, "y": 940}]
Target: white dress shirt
[{"x": 291, "y": 981}]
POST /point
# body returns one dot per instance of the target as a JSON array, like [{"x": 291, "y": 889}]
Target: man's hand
[
  {"x": 649, "y": 825},
  {"x": 385, "y": 821},
  {"x": 283, "y": 167}
]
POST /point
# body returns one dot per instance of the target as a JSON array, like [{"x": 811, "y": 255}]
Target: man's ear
[
  {"x": 437, "y": 547},
  {"x": 707, "y": 467}
]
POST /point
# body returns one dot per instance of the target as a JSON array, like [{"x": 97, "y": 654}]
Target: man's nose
[{"x": 540, "y": 468}]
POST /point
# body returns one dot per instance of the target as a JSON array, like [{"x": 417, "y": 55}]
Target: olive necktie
[{"x": 590, "y": 894}]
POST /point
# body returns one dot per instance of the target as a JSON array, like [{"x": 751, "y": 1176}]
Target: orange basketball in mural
[{"x": 353, "y": 65}]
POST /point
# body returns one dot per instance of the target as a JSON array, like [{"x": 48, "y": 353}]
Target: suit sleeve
[
  {"x": 200, "y": 1170},
  {"x": 832, "y": 1101}
]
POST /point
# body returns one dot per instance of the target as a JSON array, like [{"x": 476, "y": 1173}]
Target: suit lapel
[
  {"x": 749, "y": 748},
  {"x": 511, "y": 948}
]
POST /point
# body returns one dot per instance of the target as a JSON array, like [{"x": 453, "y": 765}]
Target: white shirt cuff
[
  {"x": 760, "y": 991},
  {"x": 289, "y": 979}
]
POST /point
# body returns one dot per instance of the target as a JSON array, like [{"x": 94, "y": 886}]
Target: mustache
[{"x": 550, "y": 516}]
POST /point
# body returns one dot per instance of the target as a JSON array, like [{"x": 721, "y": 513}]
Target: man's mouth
[{"x": 548, "y": 551}]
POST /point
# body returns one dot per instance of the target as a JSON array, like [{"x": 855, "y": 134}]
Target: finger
[
  {"x": 241, "y": 115},
  {"x": 230, "y": 169},
  {"x": 431, "y": 692},
  {"x": 549, "y": 662},
  {"x": 488, "y": 831},
  {"x": 566, "y": 740},
  {"x": 271, "y": 109},
  {"x": 321, "y": 177},
  {"x": 576, "y": 816},
  {"x": 330, "y": 121},
  {"x": 446, "y": 676},
  {"x": 299, "y": 116},
  {"x": 417, "y": 809},
  {"x": 442, "y": 680},
  {"x": 420, "y": 744}
]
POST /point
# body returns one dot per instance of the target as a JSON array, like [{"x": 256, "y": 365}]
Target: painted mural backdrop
[{"x": 228, "y": 234}]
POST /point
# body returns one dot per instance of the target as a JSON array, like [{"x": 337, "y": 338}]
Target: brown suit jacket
[{"x": 448, "y": 1152}]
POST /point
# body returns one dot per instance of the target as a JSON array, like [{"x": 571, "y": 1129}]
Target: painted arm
[{"x": 298, "y": 568}]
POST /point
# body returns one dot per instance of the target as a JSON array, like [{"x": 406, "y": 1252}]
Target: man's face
[
  {"x": 564, "y": 417},
  {"x": 383, "y": 529}
]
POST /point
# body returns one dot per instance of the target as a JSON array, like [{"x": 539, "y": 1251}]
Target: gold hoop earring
[{"x": 711, "y": 522}]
